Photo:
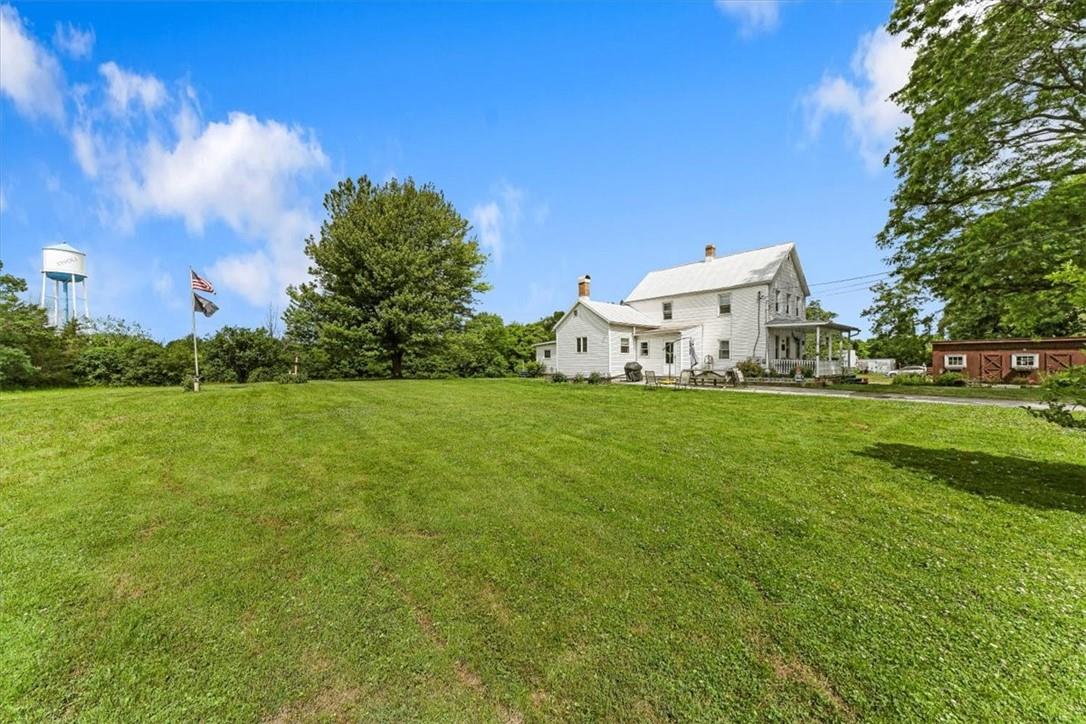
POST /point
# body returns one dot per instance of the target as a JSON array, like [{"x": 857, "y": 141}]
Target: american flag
[{"x": 201, "y": 284}]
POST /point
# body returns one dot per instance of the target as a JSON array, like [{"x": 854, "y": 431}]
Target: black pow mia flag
[{"x": 204, "y": 306}]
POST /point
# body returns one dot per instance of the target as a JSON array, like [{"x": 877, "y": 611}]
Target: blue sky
[{"x": 601, "y": 138}]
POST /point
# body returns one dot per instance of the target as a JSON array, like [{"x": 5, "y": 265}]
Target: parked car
[{"x": 910, "y": 370}]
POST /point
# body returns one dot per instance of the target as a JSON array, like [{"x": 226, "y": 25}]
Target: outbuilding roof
[{"x": 757, "y": 266}]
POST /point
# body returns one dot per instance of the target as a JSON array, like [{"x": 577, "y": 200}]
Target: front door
[{"x": 991, "y": 366}]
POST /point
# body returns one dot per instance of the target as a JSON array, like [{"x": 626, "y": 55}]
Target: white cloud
[
  {"x": 754, "y": 16},
  {"x": 880, "y": 66},
  {"x": 241, "y": 172},
  {"x": 498, "y": 219},
  {"x": 487, "y": 219},
  {"x": 31, "y": 76},
  {"x": 162, "y": 283},
  {"x": 74, "y": 42},
  {"x": 125, "y": 87}
]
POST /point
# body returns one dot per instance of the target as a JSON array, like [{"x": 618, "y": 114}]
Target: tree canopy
[
  {"x": 992, "y": 170},
  {"x": 394, "y": 269}
]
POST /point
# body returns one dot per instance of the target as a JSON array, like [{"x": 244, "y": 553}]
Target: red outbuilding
[{"x": 1008, "y": 360}]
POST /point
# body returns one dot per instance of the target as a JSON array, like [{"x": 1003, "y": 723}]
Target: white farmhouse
[{"x": 709, "y": 314}]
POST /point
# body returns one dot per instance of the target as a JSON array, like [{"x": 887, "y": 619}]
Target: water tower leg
[
  {"x": 56, "y": 303},
  {"x": 43, "y": 283},
  {"x": 86, "y": 304}
]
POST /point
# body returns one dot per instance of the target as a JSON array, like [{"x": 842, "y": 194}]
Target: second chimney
[
  {"x": 583, "y": 286},
  {"x": 710, "y": 252}
]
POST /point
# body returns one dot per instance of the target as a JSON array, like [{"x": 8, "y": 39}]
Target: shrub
[
  {"x": 750, "y": 368},
  {"x": 910, "y": 380},
  {"x": 558, "y": 377},
  {"x": 531, "y": 368},
  {"x": 596, "y": 378},
  {"x": 291, "y": 379},
  {"x": 578, "y": 379},
  {"x": 262, "y": 374},
  {"x": 1062, "y": 391},
  {"x": 950, "y": 379}
]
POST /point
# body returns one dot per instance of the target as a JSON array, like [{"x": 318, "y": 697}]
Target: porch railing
[{"x": 816, "y": 367}]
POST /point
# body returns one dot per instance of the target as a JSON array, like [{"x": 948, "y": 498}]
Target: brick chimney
[
  {"x": 710, "y": 252},
  {"x": 583, "y": 285}
]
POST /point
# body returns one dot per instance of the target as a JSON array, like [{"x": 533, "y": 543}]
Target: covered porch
[{"x": 787, "y": 352}]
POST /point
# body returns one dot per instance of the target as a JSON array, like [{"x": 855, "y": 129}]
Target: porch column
[{"x": 818, "y": 351}]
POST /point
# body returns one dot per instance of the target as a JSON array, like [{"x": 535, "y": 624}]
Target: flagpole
[{"x": 195, "y": 353}]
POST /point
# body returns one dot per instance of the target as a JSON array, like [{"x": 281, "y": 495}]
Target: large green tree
[
  {"x": 991, "y": 192},
  {"x": 394, "y": 269},
  {"x": 32, "y": 354},
  {"x": 900, "y": 324}
]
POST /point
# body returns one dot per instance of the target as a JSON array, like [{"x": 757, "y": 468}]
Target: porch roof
[
  {"x": 661, "y": 330},
  {"x": 810, "y": 324}
]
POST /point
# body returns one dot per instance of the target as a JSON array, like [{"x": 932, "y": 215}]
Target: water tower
[{"x": 66, "y": 268}]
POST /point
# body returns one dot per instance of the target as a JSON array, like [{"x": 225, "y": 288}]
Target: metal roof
[
  {"x": 756, "y": 266},
  {"x": 544, "y": 344},
  {"x": 810, "y": 324},
  {"x": 619, "y": 313}
]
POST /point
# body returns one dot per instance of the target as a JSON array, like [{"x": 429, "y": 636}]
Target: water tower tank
[{"x": 60, "y": 262}]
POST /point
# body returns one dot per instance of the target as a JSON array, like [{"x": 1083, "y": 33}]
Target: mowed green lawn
[{"x": 513, "y": 550}]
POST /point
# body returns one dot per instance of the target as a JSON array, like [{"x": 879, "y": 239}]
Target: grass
[{"x": 511, "y": 550}]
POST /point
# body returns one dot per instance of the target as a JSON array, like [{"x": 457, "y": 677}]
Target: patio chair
[
  {"x": 739, "y": 379},
  {"x": 650, "y": 380},
  {"x": 684, "y": 379}
]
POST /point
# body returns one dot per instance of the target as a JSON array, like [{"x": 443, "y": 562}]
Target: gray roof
[
  {"x": 810, "y": 324},
  {"x": 619, "y": 313},
  {"x": 757, "y": 266}
]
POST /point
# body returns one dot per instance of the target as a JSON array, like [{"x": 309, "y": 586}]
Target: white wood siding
[
  {"x": 547, "y": 362},
  {"x": 787, "y": 282},
  {"x": 618, "y": 357},
  {"x": 744, "y": 328},
  {"x": 582, "y": 322},
  {"x": 786, "y": 344}
]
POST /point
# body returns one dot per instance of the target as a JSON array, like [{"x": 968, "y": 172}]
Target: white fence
[{"x": 816, "y": 367}]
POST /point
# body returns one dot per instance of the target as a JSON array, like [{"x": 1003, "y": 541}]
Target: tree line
[{"x": 113, "y": 352}]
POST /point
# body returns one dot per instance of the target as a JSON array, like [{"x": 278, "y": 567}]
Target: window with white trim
[
  {"x": 724, "y": 303},
  {"x": 724, "y": 349},
  {"x": 582, "y": 345},
  {"x": 667, "y": 310},
  {"x": 644, "y": 349},
  {"x": 777, "y": 300},
  {"x": 624, "y": 345},
  {"x": 1024, "y": 361},
  {"x": 669, "y": 353},
  {"x": 787, "y": 303},
  {"x": 954, "y": 361}
]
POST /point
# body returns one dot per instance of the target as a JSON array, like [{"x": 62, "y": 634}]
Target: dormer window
[{"x": 667, "y": 310}]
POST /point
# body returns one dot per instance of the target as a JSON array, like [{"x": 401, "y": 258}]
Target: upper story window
[
  {"x": 954, "y": 361},
  {"x": 644, "y": 349},
  {"x": 777, "y": 301},
  {"x": 724, "y": 303},
  {"x": 624, "y": 345},
  {"x": 582, "y": 345},
  {"x": 667, "y": 310}
]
